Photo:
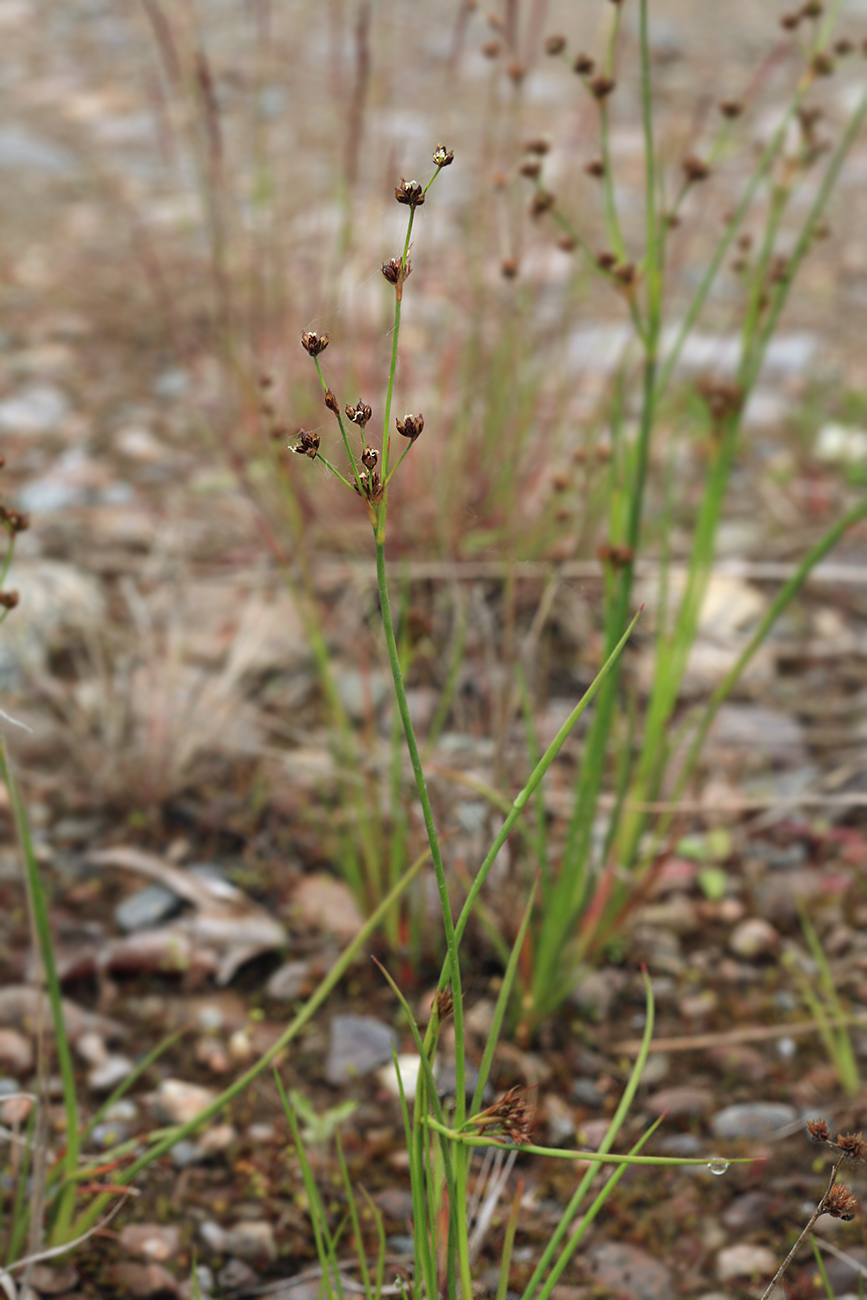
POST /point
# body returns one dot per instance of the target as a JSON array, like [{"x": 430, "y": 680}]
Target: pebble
[
  {"x": 107, "y": 1135},
  {"x": 252, "y": 1240},
  {"x": 746, "y": 1211},
  {"x": 177, "y": 1102},
  {"x": 746, "y": 1260},
  {"x": 685, "y": 1100},
  {"x": 146, "y": 908},
  {"x": 154, "y": 1241},
  {"x": 185, "y": 1153},
  {"x": 16, "y": 1054},
  {"x": 357, "y": 1046},
  {"x": 328, "y": 904},
  {"x": 144, "y": 1280},
  {"x": 753, "y": 937},
  {"x": 758, "y": 1119},
  {"x": 235, "y": 1275},
  {"x": 53, "y": 1279},
  {"x": 109, "y": 1073},
  {"x": 626, "y": 1270},
  {"x": 217, "y": 1139},
  {"x": 409, "y": 1066},
  {"x": 37, "y": 409},
  {"x": 361, "y": 693},
  {"x": 213, "y": 1235},
  {"x": 289, "y": 982}
]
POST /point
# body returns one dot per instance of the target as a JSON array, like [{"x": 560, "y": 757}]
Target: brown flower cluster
[{"x": 511, "y": 1115}]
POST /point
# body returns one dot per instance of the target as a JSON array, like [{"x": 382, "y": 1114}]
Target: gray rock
[
  {"x": 109, "y": 1134},
  {"x": 287, "y": 983},
  {"x": 745, "y": 1259},
  {"x": 146, "y": 907},
  {"x": 21, "y": 149},
  {"x": 357, "y": 1046},
  {"x": 177, "y": 1102},
  {"x": 758, "y": 1119},
  {"x": 36, "y": 409},
  {"x": 628, "y": 1271},
  {"x": 109, "y": 1073},
  {"x": 213, "y": 1235},
  {"x": 184, "y": 1154},
  {"x": 235, "y": 1275},
  {"x": 252, "y": 1240},
  {"x": 361, "y": 693}
]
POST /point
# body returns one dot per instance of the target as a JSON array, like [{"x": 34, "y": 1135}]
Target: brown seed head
[
  {"x": 15, "y": 521},
  {"x": 601, "y": 87},
  {"x": 584, "y": 65},
  {"x": 840, "y": 1203},
  {"x": 314, "y": 343},
  {"x": 822, "y": 65},
  {"x": 395, "y": 272},
  {"x": 369, "y": 457},
  {"x": 844, "y": 47},
  {"x": 8, "y": 599},
  {"x": 307, "y": 445},
  {"x": 722, "y": 400},
  {"x": 606, "y": 261},
  {"x": 812, "y": 9},
  {"x": 567, "y": 243},
  {"x": 359, "y": 414},
  {"x": 332, "y": 403},
  {"x": 595, "y": 168},
  {"x": 852, "y": 1147},
  {"x": 410, "y": 426},
  {"x": 445, "y": 1002},
  {"x": 731, "y": 108},
  {"x": 410, "y": 193},
  {"x": 531, "y": 168},
  {"x": 371, "y": 484},
  {"x": 626, "y": 273},
  {"x": 509, "y": 268},
  {"x": 694, "y": 169},
  {"x": 491, "y": 49},
  {"x": 538, "y": 145},
  {"x": 542, "y": 201},
  {"x": 615, "y": 554},
  {"x": 555, "y": 45},
  {"x": 443, "y": 157},
  {"x": 516, "y": 71},
  {"x": 818, "y": 1131},
  {"x": 790, "y": 22}
]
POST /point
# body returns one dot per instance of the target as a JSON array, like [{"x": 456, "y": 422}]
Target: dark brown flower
[
  {"x": 410, "y": 426},
  {"x": 537, "y": 145},
  {"x": 531, "y": 168},
  {"x": 595, "y": 168},
  {"x": 8, "y": 599},
  {"x": 851, "y": 1147},
  {"x": 840, "y": 1203},
  {"x": 409, "y": 192},
  {"x": 314, "y": 343},
  {"x": 369, "y": 457},
  {"x": 818, "y": 1131},
  {"x": 555, "y": 45},
  {"x": 542, "y": 201},
  {"x": 395, "y": 271},
  {"x": 443, "y": 157},
  {"x": 601, "y": 87},
  {"x": 584, "y": 65},
  {"x": 694, "y": 169},
  {"x": 307, "y": 445},
  {"x": 332, "y": 403},
  {"x": 371, "y": 484},
  {"x": 509, "y": 268},
  {"x": 731, "y": 108},
  {"x": 359, "y": 414}
]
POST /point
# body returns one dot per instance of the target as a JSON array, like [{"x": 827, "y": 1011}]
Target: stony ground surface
[{"x": 178, "y": 769}]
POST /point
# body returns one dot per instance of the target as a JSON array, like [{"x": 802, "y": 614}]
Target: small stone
[
  {"x": 146, "y": 907},
  {"x": 144, "y": 1280},
  {"x": 53, "y": 1279},
  {"x": 684, "y": 1100},
  {"x": 409, "y": 1066},
  {"x": 289, "y": 982},
  {"x": 559, "y": 1119},
  {"x": 629, "y": 1271},
  {"x": 746, "y": 1211},
  {"x": 112, "y": 1071},
  {"x": 252, "y": 1240},
  {"x": 328, "y": 904},
  {"x": 217, "y": 1139},
  {"x": 16, "y": 1054},
  {"x": 753, "y": 937},
  {"x": 91, "y": 1048},
  {"x": 109, "y": 1135},
  {"x": 235, "y": 1275},
  {"x": 37, "y": 409},
  {"x": 745, "y": 1260},
  {"x": 154, "y": 1241},
  {"x": 357, "y": 1045},
  {"x": 177, "y": 1102},
  {"x": 185, "y": 1154},
  {"x": 213, "y": 1235},
  {"x": 758, "y": 1119}
]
